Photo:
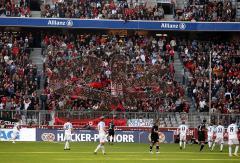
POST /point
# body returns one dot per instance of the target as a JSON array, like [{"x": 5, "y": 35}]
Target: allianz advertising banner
[
  {"x": 25, "y": 134},
  {"x": 92, "y": 136},
  {"x": 119, "y": 24}
]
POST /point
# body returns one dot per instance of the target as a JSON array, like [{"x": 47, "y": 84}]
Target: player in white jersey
[
  {"x": 102, "y": 136},
  {"x": 219, "y": 132},
  {"x": 16, "y": 130},
  {"x": 67, "y": 134},
  {"x": 210, "y": 131},
  {"x": 232, "y": 131},
  {"x": 182, "y": 130}
]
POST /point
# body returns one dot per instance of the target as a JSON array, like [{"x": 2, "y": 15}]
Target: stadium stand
[
  {"x": 225, "y": 73},
  {"x": 94, "y": 71},
  {"x": 86, "y": 70},
  {"x": 18, "y": 75},
  {"x": 92, "y": 9},
  {"x": 15, "y": 8},
  {"x": 212, "y": 10}
]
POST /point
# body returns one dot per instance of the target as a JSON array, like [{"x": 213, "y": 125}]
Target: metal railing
[{"x": 166, "y": 119}]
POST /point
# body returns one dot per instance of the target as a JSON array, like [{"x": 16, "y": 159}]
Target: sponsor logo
[
  {"x": 181, "y": 26},
  {"x": 48, "y": 137},
  {"x": 161, "y": 137},
  {"x": 7, "y": 135},
  {"x": 68, "y": 23}
]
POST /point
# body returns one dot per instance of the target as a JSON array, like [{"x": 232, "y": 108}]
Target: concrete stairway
[
  {"x": 238, "y": 10},
  {"x": 179, "y": 69},
  {"x": 36, "y": 14},
  {"x": 180, "y": 4},
  {"x": 36, "y": 57},
  {"x": 179, "y": 74}
]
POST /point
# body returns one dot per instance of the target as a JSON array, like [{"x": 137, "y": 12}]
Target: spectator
[
  {"x": 94, "y": 70},
  {"x": 220, "y": 11},
  {"x": 225, "y": 72},
  {"x": 92, "y": 9},
  {"x": 17, "y": 74},
  {"x": 15, "y": 8}
]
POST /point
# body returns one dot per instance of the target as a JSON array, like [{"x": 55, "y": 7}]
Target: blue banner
[
  {"x": 120, "y": 24},
  {"x": 25, "y": 134},
  {"x": 92, "y": 136}
]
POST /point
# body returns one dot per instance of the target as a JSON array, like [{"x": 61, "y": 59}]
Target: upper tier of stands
[
  {"x": 181, "y": 10},
  {"x": 189, "y": 10},
  {"x": 15, "y": 8}
]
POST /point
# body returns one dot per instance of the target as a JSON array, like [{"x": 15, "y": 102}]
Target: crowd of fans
[
  {"x": 15, "y": 8},
  {"x": 18, "y": 76},
  {"x": 225, "y": 74},
  {"x": 102, "y": 9},
  {"x": 203, "y": 10},
  {"x": 111, "y": 72}
]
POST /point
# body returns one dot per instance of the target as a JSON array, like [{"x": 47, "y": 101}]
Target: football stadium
[{"x": 119, "y": 81}]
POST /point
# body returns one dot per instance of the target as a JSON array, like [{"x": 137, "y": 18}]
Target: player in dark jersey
[
  {"x": 201, "y": 134},
  {"x": 154, "y": 138},
  {"x": 111, "y": 132}
]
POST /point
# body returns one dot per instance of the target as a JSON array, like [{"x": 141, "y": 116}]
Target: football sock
[
  {"x": 184, "y": 145},
  {"x": 103, "y": 149},
  {"x": 99, "y": 146},
  {"x": 157, "y": 148},
  {"x": 213, "y": 146},
  {"x": 111, "y": 139},
  {"x": 180, "y": 143},
  {"x": 66, "y": 145},
  {"x": 221, "y": 147},
  {"x": 202, "y": 146},
  {"x": 151, "y": 147},
  {"x": 236, "y": 150},
  {"x": 230, "y": 150},
  {"x": 209, "y": 144}
]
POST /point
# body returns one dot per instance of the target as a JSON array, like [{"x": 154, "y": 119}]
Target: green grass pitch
[{"x": 51, "y": 152}]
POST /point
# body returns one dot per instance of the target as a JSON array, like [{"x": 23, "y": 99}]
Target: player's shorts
[
  {"x": 183, "y": 137},
  {"x": 154, "y": 138},
  {"x": 233, "y": 141},
  {"x": 111, "y": 133},
  {"x": 201, "y": 137},
  {"x": 210, "y": 137},
  {"x": 67, "y": 137},
  {"x": 15, "y": 134},
  {"x": 102, "y": 138},
  {"x": 219, "y": 140}
]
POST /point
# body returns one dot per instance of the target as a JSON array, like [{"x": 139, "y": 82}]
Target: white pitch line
[
  {"x": 48, "y": 152},
  {"x": 150, "y": 159}
]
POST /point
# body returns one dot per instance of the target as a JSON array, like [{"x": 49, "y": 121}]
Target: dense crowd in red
[{"x": 15, "y": 8}]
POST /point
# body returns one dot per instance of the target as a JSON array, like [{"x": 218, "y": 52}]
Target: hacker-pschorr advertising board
[{"x": 92, "y": 136}]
